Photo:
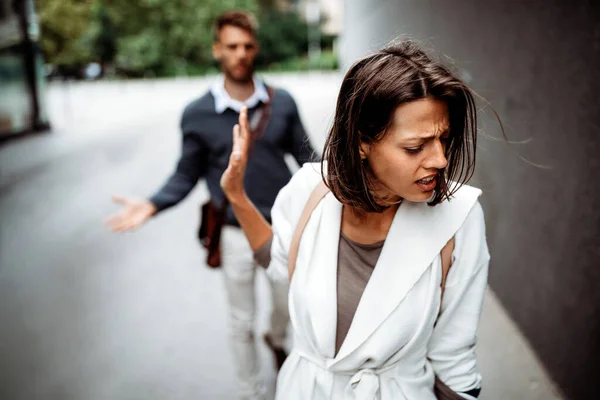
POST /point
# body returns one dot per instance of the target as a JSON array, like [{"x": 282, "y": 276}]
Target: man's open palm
[{"x": 133, "y": 214}]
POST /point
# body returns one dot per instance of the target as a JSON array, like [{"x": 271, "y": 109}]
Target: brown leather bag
[
  {"x": 212, "y": 216},
  {"x": 442, "y": 392},
  {"x": 212, "y": 219}
]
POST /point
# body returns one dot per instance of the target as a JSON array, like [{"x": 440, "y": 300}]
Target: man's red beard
[{"x": 240, "y": 73}]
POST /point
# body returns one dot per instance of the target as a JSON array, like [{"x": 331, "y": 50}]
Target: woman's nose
[{"x": 438, "y": 159}]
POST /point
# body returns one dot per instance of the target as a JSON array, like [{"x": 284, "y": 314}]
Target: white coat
[{"x": 397, "y": 341}]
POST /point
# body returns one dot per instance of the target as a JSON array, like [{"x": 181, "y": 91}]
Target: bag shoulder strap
[
  {"x": 261, "y": 117},
  {"x": 315, "y": 197},
  {"x": 446, "y": 254}
]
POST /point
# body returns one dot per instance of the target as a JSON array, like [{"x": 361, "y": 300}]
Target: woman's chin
[{"x": 421, "y": 197}]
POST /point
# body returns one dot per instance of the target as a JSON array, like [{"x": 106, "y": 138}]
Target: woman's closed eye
[
  {"x": 414, "y": 150},
  {"x": 417, "y": 149}
]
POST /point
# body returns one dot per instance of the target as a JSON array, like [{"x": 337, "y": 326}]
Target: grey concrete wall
[{"x": 538, "y": 62}]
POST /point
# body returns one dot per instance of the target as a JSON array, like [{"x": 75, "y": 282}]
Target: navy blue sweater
[{"x": 207, "y": 145}]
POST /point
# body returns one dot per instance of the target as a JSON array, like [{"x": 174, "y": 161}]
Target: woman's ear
[{"x": 364, "y": 151}]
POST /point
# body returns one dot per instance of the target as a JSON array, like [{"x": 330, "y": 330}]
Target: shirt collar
[{"x": 223, "y": 101}]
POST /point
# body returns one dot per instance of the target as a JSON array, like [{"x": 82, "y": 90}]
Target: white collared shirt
[{"x": 223, "y": 101}]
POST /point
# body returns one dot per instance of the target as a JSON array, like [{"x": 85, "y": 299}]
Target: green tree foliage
[
  {"x": 64, "y": 23},
  {"x": 282, "y": 36},
  {"x": 157, "y": 36}
]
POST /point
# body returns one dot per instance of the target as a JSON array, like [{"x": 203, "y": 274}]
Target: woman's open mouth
[{"x": 427, "y": 184}]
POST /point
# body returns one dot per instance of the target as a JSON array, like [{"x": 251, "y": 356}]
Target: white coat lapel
[
  {"x": 322, "y": 276},
  {"x": 417, "y": 235}
]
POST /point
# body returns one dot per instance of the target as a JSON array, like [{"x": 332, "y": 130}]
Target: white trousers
[{"x": 239, "y": 273}]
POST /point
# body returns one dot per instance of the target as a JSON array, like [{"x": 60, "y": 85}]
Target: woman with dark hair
[{"x": 384, "y": 240}]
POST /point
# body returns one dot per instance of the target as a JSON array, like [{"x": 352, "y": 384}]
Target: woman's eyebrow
[
  {"x": 426, "y": 136},
  {"x": 420, "y": 137}
]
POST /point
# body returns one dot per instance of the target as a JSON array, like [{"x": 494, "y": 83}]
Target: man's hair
[
  {"x": 238, "y": 18},
  {"x": 371, "y": 92}
]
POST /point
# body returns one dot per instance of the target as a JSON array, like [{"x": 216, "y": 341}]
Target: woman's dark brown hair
[{"x": 371, "y": 92}]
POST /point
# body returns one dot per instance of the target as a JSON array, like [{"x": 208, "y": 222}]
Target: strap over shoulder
[{"x": 318, "y": 193}]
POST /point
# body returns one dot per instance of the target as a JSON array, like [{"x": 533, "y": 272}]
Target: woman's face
[{"x": 407, "y": 161}]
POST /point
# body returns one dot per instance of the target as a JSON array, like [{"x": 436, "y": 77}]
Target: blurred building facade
[
  {"x": 21, "y": 70},
  {"x": 537, "y": 63},
  {"x": 330, "y": 10}
]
